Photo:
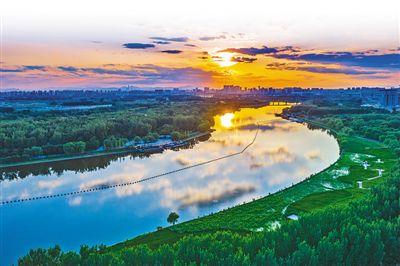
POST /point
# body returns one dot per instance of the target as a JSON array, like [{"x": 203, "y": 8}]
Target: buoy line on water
[{"x": 103, "y": 187}]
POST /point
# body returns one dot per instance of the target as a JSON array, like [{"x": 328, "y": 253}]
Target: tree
[
  {"x": 172, "y": 218},
  {"x": 74, "y": 147},
  {"x": 34, "y": 151},
  {"x": 175, "y": 135},
  {"x": 204, "y": 126},
  {"x": 137, "y": 139}
]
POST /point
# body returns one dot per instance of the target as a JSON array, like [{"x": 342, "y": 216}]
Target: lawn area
[{"x": 359, "y": 160}]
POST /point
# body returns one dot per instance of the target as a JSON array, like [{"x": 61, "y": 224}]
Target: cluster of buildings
[
  {"x": 376, "y": 97},
  {"x": 381, "y": 98}
]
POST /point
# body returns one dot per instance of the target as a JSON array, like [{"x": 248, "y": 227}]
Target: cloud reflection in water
[{"x": 284, "y": 152}]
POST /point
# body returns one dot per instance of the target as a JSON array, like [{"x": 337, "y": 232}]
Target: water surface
[{"x": 282, "y": 154}]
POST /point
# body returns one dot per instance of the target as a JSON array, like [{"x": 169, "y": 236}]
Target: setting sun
[{"x": 224, "y": 59}]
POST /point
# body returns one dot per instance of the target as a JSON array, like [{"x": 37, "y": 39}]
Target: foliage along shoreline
[{"x": 116, "y": 151}]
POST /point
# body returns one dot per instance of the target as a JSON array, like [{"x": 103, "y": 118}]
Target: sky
[{"x": 90, "y": 44}]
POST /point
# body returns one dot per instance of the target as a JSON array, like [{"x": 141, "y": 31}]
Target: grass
[
  {"x": 319, "y": 191},
  {"x": 153, "y": 240},
  {"x": 316, "y": 201}
]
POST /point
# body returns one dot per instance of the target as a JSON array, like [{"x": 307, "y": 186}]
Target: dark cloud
[
  {"x": 68, "y": 68},
  {"x": 241, "y": 59},
  {"x": 35, "y": 67},
  {"x": 11, "y": 70},
  {"x": 161, "y": 42},
  {"x": 190, "y": 45},
  {"x": 369, "y": 58},
  {"x": 212, "y": 38},
  {"x": 252, "y": 50},
  {"x": 361, "y": 59},
  {"x": 203, "y": 198},
  {"x": 172, "y": 51},
  {"x": 143, "y": 74},
  {"x": 22, "y": 69},
  {"x": 273, "y": 125},
  {"x": 108, "y": 75},
  {"x": 136, "y": 45},
  {"x": 320, "y": 69},
  {"x": 174, "y": 39},
  {"x": 347, "y": 71},
  {"x": 204, "y": 55}
]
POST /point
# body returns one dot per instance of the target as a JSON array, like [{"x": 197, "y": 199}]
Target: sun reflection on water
[{"x": 226, "y": 120}]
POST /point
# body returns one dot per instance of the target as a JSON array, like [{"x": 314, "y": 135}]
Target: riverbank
[
  {"x": 148, "y": 149},
  {"x": 334, "y": 186}
]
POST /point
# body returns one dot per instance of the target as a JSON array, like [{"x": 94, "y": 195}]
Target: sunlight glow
[
  {"x": 224, "y": 59},
  {"x": 226, "y": 120}
]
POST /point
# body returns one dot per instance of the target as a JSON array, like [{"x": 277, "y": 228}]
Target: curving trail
[{"x": 103, "y": 187}]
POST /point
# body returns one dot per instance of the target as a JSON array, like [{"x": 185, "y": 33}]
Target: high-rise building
[{"x": 390, "y": 99}]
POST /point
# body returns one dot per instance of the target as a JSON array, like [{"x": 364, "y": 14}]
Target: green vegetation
[
  {"x": 348, "y": 213},
  {"x": 24, "y": 136},
  {"x": 172, "y": 218}
]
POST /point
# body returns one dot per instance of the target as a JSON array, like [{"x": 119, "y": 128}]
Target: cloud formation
[
  {"x": 215, "y": 192},
  {"x": 360, "y": 59},
  {"x": 369, "y": 58},
  {"x": 136, "y": 45},
  {"x": 212, "y": 38},
  {"x": 241, "y": 59},
  {"x": 110, "y": 74},
  {"x": 252, "y": 50},
  {"x": 161, "y": 42},
  {"x": 22, "y": 69},
  {"x": 174, "y": 39},
  {"x": 321, "y": 69},
  {"x": 172, "y": 51}
]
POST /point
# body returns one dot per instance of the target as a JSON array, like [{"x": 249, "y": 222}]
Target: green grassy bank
[{"x": 337, "y": 185}]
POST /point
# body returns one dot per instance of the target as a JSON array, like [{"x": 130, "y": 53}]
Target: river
[{"x": 283, "y": 153}]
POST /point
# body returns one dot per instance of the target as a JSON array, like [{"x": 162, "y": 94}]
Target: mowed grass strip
[{"x": 320, "y": 200}]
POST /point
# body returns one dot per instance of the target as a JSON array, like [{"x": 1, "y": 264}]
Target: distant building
[
  {"x": 371, "y": 96},
  {"x": 389, "y": 99},
  {"x": 381, "y": 98},
  {"x": 231, "y": 89}
]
